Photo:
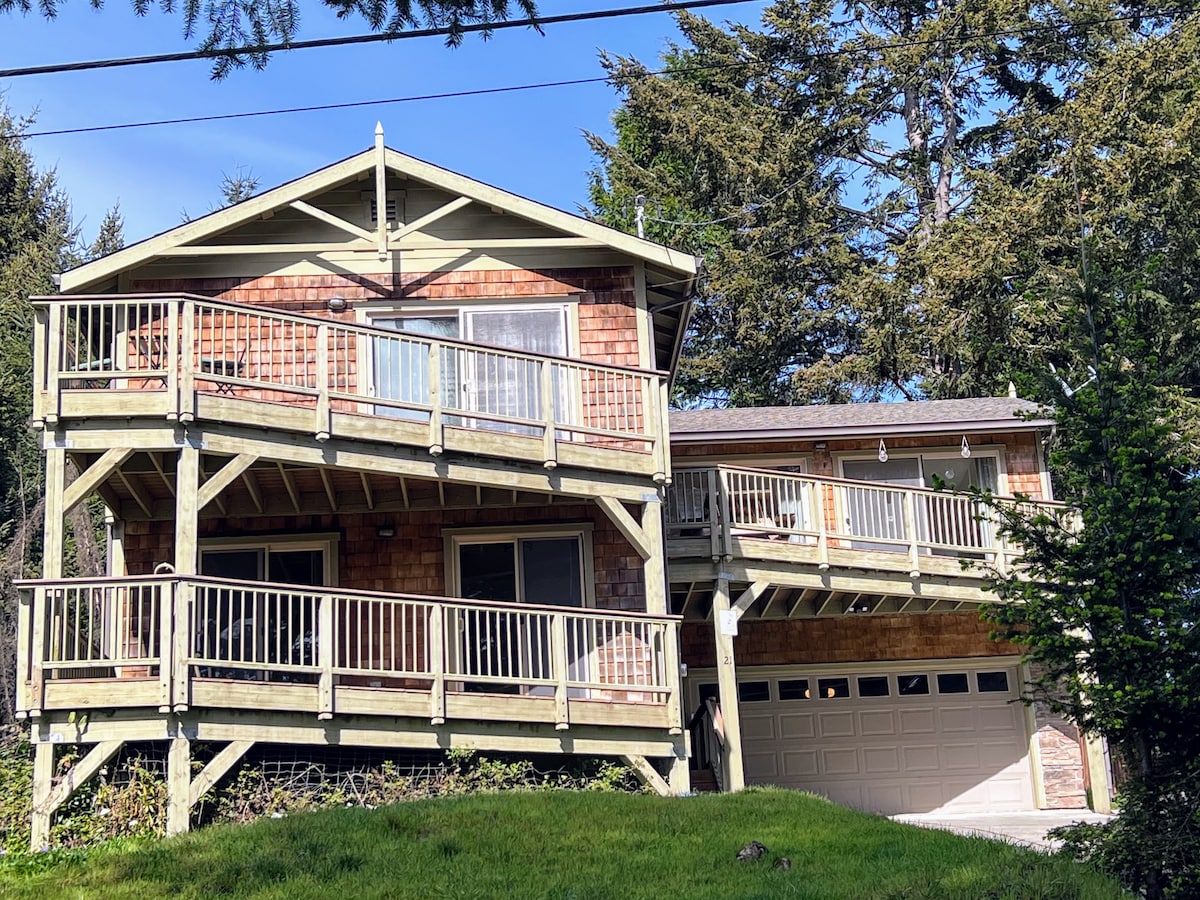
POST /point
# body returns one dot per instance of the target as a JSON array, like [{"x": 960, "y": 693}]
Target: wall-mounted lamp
[
  {"x": 966, "y": 448},
  {"x": 337, "y": 304},
  {"x": 385, "y": 531},
  {"x": 821, "y": 445},
  {"x": 883, "y": 457}
]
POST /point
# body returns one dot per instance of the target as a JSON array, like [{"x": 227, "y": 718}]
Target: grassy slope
[{"x": 560, "y": 845}]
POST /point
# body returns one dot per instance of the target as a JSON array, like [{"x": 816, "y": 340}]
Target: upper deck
[{"x": 183, "y": 358}]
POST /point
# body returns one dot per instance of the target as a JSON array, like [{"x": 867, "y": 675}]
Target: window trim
[
  {"x": 327, "y": 542},
  {"x": 455, "y": 537}
]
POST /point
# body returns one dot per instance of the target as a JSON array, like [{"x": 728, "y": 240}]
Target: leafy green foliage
[
  {"x": 556, "y": 844},
  {"x": 238, "y": 24}
]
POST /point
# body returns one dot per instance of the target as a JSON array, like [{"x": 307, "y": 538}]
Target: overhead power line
[
  {"x": 373, "y": 38},
  {"x": 673, "y": 70}
]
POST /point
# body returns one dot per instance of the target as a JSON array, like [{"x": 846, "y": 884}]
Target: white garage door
[{"x": 902, "y": 740}]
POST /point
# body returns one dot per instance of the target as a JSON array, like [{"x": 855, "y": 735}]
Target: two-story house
[{"x": 386, "y": 456}]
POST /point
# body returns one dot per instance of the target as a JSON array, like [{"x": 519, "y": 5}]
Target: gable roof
[
  {"x": 674, "y": 262},
  {"x": 858, "y": 419}
]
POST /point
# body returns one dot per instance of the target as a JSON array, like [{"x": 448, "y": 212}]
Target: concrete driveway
[{"x": 1027, "y": 828}]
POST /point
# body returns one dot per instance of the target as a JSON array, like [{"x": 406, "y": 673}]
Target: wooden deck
[
  {"x": 169, "y": 645},
  {"x": 186, "y": 359},
  {"x": 803, "y": 539}
]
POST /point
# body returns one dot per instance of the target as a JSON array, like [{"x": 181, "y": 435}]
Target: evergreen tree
[
  {"x": 237, "y": 24},
  {"x": 840, "y": 148}
]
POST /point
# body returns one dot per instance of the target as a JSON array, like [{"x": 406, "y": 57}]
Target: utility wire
[
  {"x": 537, "y": 22},
  {"x": 673, "y": 70}
]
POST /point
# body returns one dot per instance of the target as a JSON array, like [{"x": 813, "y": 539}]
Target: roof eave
[{"x": 857, "y": 431}]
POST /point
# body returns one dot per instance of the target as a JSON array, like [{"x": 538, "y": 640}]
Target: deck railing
[
  {"x": 178, "y": 347},
  {"x": 727, "y": 503},
  {"x": 176, "y": 631}
]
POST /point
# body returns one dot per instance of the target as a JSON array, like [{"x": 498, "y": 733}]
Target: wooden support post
[
  {"x": 165, "y": 599},
  {"x": 647, "y": 774},
  {"x": 725, "y": 514},
  {"x": 326, "y": 641},
  {"x": 558, "y": 653},
  {"x": 670, "y": 651},
  {"x": 680, "y": 776},
  {"x": 1097, "y": 765},
  {"x": 43, "y": 781},
  {"x": 42, "y": 346},
  {"x": 171, "y": 360},
  {"x": 323, "y": 425},
  {"x": 713, "y": 507},
  {"x": 225, "y": 760},
  {"x": 735, "y": 777},
  {"x": 187, "y": 508},
  {"x": 914, "y": 547},
  {"x": 187, "y": 360},
  {"x": 654, "y": 567},
  {"x": 52, "y": 541},
  {"x": 436, "y": 438},
  {"x": 53, "y": 407},
  {"x": 179, "y": 783},
  {"x": 818, "y": 507},
  {"x": 436, "y": 642},
  {"x": 25, "y": 648},
  {"x": 549, "y": 436},
  {"x": 183, "y": 594}
]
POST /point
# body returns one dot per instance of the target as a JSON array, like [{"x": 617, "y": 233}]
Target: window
[
  {"x": 833, "y": 688},
  {"x": 873, "y": 686},
  {"x": 952, "y": 683},
  {"x": 309, "y": 560},
  {"x": 912, "y": 685},
  {"x": 754, "y": 691},
  {"x": 992, "y": 682},
  {"x": 794, "y": 689},
  {"x": 548, "y": 567},
  {"x": 494, "y": 387}
]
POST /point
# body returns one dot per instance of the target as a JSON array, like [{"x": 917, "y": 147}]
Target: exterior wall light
[
  {"x": 883, "y": 456},
  {"x": 337, "y": 304},
  {"x": 966, "y": 448},
  {"x": 385, "y": 531}
]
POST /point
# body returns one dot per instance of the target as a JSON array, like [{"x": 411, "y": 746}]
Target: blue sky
[{"x": 529, "y": 142}]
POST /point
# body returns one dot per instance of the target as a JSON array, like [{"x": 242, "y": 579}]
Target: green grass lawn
[{"x": 562, "y": 845}]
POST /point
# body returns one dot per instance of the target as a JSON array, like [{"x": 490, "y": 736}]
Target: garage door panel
[
  {"x": 758, "y": 728},
  {"x": 761, "y": 765},
  {"x": 999, "y": 718},
  {"x": 796, "y": 725},
  {"x": 839, "y": 761},
  {"x": 835, "y": 724},
  {"x": 957, "y": 719},
  {"x": 876, "y": 721},
  {"x": 880, "y": 760},
  {"x": 918, "y": 721},
  {"x": 921, "y": 759},
  {"x": 800, "y": 764},
  {"x": 891, "y": 753},
  {"x": 959, "y": 756}
]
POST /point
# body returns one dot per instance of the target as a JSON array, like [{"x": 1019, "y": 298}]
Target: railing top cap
[
  {"x": 278, "y": 587},
  {"x": 324, "y": 320}
]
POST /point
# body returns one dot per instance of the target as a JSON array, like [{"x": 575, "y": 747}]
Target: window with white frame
[
  {"x": 549, "y": 567},
  {"x": 496, "y": 387}
]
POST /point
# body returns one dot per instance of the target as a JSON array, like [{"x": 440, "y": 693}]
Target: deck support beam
[
  {"x": 187, "y": 507},
  {"x": 90, "y": 478},
  {"x": 735, "y": 776},
  {"x": 647, "y": 774},
  {"x": 47, "y": 797},
  {"x": 225, "y": 760},
  {"x": 222, "y": 479}
]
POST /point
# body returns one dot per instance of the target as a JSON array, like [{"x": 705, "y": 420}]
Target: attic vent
[
  {"x": 395, "y": 206},
  {"x": 391, "y": 210}
]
